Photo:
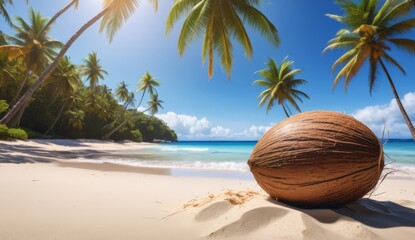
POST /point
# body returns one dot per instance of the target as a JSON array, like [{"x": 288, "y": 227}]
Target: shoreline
[
  {"x": 97, "y": 154},
  {"x": 52, "y": 195}
]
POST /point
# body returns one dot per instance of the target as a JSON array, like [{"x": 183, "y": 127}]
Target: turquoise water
[
  {"x": 402, "y": 152},
  {"x": 233, "y": 155}
]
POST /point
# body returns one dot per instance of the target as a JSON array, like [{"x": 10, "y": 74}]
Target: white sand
[{"x": 91, "y": 201}]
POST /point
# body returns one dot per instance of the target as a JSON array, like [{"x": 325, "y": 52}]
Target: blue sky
[{"x": 201, "y": 108}]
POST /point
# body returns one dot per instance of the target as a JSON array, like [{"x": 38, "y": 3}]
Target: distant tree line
[{"x": 71, "y": 103}]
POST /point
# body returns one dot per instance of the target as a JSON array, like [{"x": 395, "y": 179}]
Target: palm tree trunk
[
  {"x": 398, "y": 101},
  {"x": 15, "y": 121},
  {"x": 25, "y": 98},
  {"x": 58, "y": 14},
  {"x": 106, "y": 137},
  {"x": 56, "y": 120},
  {"x": 142, "y": 97},
  {"x": 20, "y": 88}
]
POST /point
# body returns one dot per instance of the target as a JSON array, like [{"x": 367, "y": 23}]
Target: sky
[{"x": 201, "y": 108}]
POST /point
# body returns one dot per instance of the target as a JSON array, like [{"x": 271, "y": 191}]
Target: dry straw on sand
[
  {"x": 231, "y": 196},
  {"x": 318, "y": 159}
]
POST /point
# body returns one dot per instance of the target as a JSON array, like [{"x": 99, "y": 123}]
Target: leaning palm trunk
[
  {"x": 56, "y": 120},
  {"x": 106, "y": 137},
  {"x": 58, "y": 14},
  {"x": 15, "y": 121},
  {"x": 25, "y": 98},
  {"x": 16, "y": 96},
  {"x": 398, "y": 101}
]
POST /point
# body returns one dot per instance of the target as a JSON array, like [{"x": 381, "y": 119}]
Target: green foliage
[
  {"x": 63, "y": 106},
  {"x": 136, "y": 135},
  {"x": 280, "y": 86},
  {"x": 3, "y": 132},
  {"x": 3, "y": 106},
  {"x": 217, "y": 22},
  {"x": 89, "y": 115},
  {"x": 12, "y": 133},
  {"x": 32, "y": 134},
  {"x": 15, "y": 133},
  {"x": 372, "y": 29}
]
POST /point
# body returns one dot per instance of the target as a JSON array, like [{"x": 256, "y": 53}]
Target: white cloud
[
  {"x": 378, "y": 117},
  {"x": 186, "y": 126},
  {"x": 190, "y": 127},
  {"x": 219, "y": 131},
  {"x": 142, "y": 109}
]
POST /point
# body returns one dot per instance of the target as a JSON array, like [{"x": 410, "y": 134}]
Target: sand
[{"x": 48, "y": 196}]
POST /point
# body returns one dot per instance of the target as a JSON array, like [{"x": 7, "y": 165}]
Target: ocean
[{"x": 233, "y": 156}]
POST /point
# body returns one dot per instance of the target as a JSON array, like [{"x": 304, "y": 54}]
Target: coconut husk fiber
[{"x": 317, "y": 159}]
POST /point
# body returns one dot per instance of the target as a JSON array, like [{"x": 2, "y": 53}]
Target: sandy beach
[{"x": 44, "y": 194}]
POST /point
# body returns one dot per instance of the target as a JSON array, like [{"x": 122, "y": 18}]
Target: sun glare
[{"x": 92, "y": 5}]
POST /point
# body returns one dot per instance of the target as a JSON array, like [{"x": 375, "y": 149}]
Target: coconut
[{"x": 317, "y": 159}]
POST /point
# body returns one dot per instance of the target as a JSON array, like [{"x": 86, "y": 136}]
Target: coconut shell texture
[{"x": 318, "y": 159}]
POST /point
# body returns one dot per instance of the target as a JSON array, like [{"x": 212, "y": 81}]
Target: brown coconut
[{"x": 317, "y": 159}]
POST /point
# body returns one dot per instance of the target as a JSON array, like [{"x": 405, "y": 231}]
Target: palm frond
[
  {"x": 191, "y": 28},
  {"x": 235, "y": 25},
  {"x": 362, "y": 55},
  {"x": 224, "y": 45},
  {"x": 261, "y": 82},
  {"x": 343, "y": 72},
  {"x": 394, "y": 62},
  {"x": 398, "y": 28},
  {"x": 335, "y": 17},
  {"x": 119, "y": 12},
  {"x": 298, "y": 92},
  {"x": 180, "y": 8},
  {"x": 342, "y": 42},
  {"x": 257, "y": 21},
  {"x": 155, "y": 4},
  {"x": 3, "y": 11},
  {"x": 373, "y": 71},
  {"x": 346, "y": 57},
  {"x": 404, "y": 44},
  {"x": 401, "y": 9},
  {"x": 290, "y": 75},
  {"x": 12, "y": 51}
]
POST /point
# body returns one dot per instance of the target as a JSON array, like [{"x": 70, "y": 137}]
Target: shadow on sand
[
  {"x": 34, "y": 154},
  {"x": 372, "y": 213},
  {"x": 16, "y": 154}
]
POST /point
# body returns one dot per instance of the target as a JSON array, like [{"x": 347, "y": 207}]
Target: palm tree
[
  {"x": 93, "y": 70},
  {"x": 36, "y": 45},
  {"x": 3, "y": 10},
  {"x": 154, "y": 104},
  {"x": 7, "y": 71},
  {"x": 147, "y": 83},
  {"x": 76, "y": 119},
  {"x": 125, "y": 96},
  {"x": 130, "y": 100},
  {"x": 97, "y": 106},
  {"x": 370, "y": 33},
  {"x": 60, "y": 12},
  {"x": 113, "y": 14},
  {"x": 65, "y": 82},
  {"x": 122, "y": 93},
  {"x": 37, "y": 49},
  {"x": 280, "y": 85},
  {"x": 217, "y": 22}
]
